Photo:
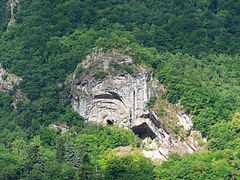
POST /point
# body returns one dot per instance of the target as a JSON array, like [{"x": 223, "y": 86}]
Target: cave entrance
[
  {"x": 110, "y": 122},
  {"x": 143, "y": 131}
]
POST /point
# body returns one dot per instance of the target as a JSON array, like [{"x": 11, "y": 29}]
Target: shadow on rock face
[{"x": 143, "y": 131}]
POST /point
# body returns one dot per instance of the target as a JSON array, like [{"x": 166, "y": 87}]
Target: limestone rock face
[
  {"x": 7, "y": 80},
  {"x": 122, "y": 98},
  {"x": 12, "y": 5},
  {"x": 119, "y": 98}
]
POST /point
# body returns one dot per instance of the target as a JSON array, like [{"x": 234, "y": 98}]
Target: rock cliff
[
  {"x": 11, "y": 6},
  {"x": 107, "y": 88}
]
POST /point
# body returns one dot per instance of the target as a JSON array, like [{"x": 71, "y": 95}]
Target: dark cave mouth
[
  {"x": 110, "y": 121},
  {"x": 143, "y": 131}
]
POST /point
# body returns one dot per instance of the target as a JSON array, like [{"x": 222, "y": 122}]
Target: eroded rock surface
[{"x": 122, "y": 98}]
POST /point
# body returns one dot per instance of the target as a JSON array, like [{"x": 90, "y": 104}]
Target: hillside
[{"x": 190, "y": 47}]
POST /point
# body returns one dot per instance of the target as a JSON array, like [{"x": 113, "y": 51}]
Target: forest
[{"x": 192, "y": 46}]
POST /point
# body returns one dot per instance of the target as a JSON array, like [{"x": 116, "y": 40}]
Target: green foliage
[
  {"x": 151, "y": 103},
  {"x": 192, "y": 46},
  {"x": 60, "y": 149},
  {"x": 3, "y": 15},
  {"x": 220, "y": 135},
  {"x": 212, "y": 165},
  {"x": 47, "y": 136},
  {"x": 207, "y": 87},
  {"x": 235, "y": 124},
  {"x": 100, "y": 75},
  {"x": 98, "y": 139},
  {"x": 130, "y": 166},
  {"x": 4, "y": 77},
  {"x": 123, "y": 68},
  {"x": 225, "y": 134},
  {"x": 161, "y": 112},
  {"x": 79, "y": 71},
  {"x": 10, "y": 164},
  {"x": 72, "y": 155}
]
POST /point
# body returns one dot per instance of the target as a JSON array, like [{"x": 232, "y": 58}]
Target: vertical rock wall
[{"x": 120, "y": 99}]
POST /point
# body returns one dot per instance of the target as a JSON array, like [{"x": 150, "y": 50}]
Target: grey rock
[
  {"x": 12, "y": 5},
  {"x": 7, "y": 80}
]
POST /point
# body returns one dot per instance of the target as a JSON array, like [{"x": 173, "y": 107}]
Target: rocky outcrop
[
  {"x": 59, "y": 127},
  {"x": 7, "y": 80},
  {"x": 116, "y": 99},
  {"x": 121, "y": 97},
  {"x": 12, "y": 5},
  {"x": 185, "y": 121}
]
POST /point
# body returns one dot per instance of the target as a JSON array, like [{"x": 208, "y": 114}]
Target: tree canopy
[{"x": 192, "y": 46}]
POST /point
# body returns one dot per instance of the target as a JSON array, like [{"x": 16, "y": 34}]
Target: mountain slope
[{"x": 191, "y": 46}]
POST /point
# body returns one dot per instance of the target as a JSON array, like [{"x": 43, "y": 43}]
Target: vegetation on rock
[{"x": 192, "y": 47}]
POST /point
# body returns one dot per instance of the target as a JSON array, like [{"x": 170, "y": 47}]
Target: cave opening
[
  {"x": 143, "y": 131},
  {"x": 110, "y": 122}
]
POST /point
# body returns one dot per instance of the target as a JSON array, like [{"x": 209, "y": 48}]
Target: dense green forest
[
  {"x": 192, "y": 47},
  {"x": 3, "y": 14}
]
